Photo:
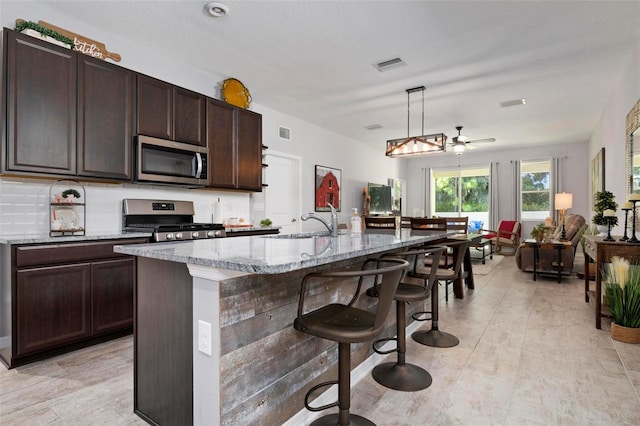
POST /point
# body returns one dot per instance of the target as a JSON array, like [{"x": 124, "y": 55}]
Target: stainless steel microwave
[{"x": 163, "y": 161}]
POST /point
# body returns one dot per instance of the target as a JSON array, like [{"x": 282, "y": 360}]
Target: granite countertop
[
  {"x": 41, "y": 238},
  {"x": 274, "y": 254},
  {"x": 250, "y": 228}
]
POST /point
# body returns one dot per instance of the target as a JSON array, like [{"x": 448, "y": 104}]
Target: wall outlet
[{"x": 204, "y": 337}]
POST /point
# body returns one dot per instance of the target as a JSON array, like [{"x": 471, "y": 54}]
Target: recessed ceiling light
[
  {"x": 513, "y": 102},
  {"x": 217, "y": 10},
  {"x": 389, "y": 64}
]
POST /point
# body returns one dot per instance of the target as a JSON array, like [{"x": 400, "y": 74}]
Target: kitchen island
[{"x": 243, "y": 292}]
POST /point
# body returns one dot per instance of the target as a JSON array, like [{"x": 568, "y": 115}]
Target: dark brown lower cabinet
[
  {"x": 60, "y": 297},
  {"x": 112, "y": 295},
  {"x": 53, "y": 305}
]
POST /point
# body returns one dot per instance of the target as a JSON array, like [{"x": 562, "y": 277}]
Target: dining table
[{"x": 466, "y": 274}]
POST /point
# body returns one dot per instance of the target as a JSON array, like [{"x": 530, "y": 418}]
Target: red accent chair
[{"x": 507, "y": 235}]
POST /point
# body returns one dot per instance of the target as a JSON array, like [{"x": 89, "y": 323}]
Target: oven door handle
[{"x": 199, "y": 168}]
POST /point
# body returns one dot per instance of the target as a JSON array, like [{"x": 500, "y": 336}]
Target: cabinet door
[
  {"x": 249, "y": 131},
  {"x": 41, "y": 106},
  {"x": 105, "y": 119},
  {"x": 189, "y": 117},
  {"x": 112, "y": 295},
  {"x": 221, "y": 143},
  {"x": 52, "y": 306},
  {"x": 155, "y": 108}
]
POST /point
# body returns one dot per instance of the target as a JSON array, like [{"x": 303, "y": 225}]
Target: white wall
[
  {"x": 574, "y": 179},
  {"x": 609, "y": 131}
]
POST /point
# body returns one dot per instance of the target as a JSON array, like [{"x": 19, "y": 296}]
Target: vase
[
  {"x": 603, "y": 229},
  {"x": 625, "y": 334}
]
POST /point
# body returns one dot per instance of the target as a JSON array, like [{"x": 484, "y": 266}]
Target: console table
[
  {"x": 553, "y": 245},
  {"x": 601, "y": 252}
]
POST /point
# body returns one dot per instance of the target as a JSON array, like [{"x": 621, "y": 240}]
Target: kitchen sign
[{"x": 83, "y": 44}]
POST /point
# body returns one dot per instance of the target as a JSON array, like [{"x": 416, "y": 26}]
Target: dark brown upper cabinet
[
  {"x": 106, "y": 125},
  {"x": 169, "y": 112},
  {"x": 249, "y": 131},
  {"x": 234, "y": 138},
  {"x": 41, "y": 96}
]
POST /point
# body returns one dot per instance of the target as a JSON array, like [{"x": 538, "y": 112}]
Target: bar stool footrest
[
  {"x": 381, "y": 342},
  {"x": 417, "y": 316},
  {"x": 315, "y": 388}
]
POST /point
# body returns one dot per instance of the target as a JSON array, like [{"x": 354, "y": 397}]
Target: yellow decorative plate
[{"x": 235, "y": 93}]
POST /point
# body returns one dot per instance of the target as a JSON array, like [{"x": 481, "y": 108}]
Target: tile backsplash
[{"x": 24, "y": 204}]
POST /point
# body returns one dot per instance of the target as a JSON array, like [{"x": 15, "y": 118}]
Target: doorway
[{"x": 282, "y": 196}]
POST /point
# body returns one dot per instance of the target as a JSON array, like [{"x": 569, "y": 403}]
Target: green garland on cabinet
[{"x": 23, "y": 25}]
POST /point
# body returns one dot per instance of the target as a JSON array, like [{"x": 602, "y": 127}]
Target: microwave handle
[{"x": 199, "y": 168}]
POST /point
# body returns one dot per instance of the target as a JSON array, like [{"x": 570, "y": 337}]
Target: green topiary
[
  {"x": 604, "y": 200},
  {"x": 23, "y": 25}
]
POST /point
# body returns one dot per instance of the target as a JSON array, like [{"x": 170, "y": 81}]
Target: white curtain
[
  {"x": 494, "y": 197},
  {"x": 517, "y": 208},
  {"x": 426, "y": 188}
]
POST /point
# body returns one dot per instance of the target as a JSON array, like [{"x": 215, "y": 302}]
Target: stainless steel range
[{"x": 167, "y": 220}]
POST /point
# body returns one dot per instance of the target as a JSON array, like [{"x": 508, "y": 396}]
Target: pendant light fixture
[{"x": 416, "y": 145}]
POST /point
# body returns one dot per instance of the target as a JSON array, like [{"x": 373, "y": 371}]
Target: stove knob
[
  {"x": 219, "y": 234},
  {"x": 178, "y": 235},
  {"x": 211, "y": 234},
  {"x": 170, "y": 236},
  {"x": 195, "y": 235}
]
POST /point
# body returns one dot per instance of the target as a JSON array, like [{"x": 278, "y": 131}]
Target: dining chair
[
  {"x": 429, "y": 223},
  {"x": 380, "y": 222}
]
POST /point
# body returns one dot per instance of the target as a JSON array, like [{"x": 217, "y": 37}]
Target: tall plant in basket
[{"x": 622, "y": 288}]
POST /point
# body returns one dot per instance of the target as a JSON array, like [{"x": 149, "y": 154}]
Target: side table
[
  {"x": 553, "y": 245},
  {"x": 601, "y": 253}
]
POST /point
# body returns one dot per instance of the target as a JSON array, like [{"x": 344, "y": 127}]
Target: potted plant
[
  {"x": 538, "y": 232},
  {"x": 70, "y": 195},
  {"x": 604, "y": 200},
  {"x": 265, "y": 222},
  {"x": 622, "y": 288}
]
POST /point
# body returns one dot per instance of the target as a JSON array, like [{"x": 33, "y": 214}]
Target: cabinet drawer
[{"x": 48, "y": 254}]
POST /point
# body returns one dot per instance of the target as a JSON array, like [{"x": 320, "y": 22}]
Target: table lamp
[{"x": 563, "y": 202}]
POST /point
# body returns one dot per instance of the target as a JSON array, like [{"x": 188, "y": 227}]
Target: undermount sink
[{"x": 296, "y": 236}]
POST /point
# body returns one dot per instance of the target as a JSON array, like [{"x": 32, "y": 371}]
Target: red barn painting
[{"x": 327, "y": 188}]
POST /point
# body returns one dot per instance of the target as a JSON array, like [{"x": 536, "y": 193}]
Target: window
[
  {"x": 461, "y": 192},
  {"x": 535, "y": 189}
]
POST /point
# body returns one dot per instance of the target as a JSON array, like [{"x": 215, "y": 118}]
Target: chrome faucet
[{"x": 333, "y": 227}]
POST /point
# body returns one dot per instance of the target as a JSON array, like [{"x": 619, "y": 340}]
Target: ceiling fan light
[{"x": 459, "y": 148}]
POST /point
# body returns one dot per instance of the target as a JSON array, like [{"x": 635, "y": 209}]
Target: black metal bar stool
[
  {"x": 401, "y": 375},
  {"x": 435, "y": 337},
  {"x": 346, "y": 324}
]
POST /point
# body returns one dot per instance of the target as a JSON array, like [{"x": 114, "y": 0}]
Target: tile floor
[{"x": 529, "y": 355}]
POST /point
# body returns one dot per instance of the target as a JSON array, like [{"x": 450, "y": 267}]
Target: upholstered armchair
[
  {"x": 575, "y": 227},
  {"x": 507, "y": 235}
]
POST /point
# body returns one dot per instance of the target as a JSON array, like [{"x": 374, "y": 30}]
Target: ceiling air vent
[
  {"x": 390, "y": 64},
  {"x": 513, "y": 102},
  {"x": 373, "y": 127}
]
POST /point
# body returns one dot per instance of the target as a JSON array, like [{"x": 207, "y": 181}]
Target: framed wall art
[
  {"x": 328, "y": 181},
  {"x": 597, "y": 175}
]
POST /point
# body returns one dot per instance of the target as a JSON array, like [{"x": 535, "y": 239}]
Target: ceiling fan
[{"x": 460, "y": 143}]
